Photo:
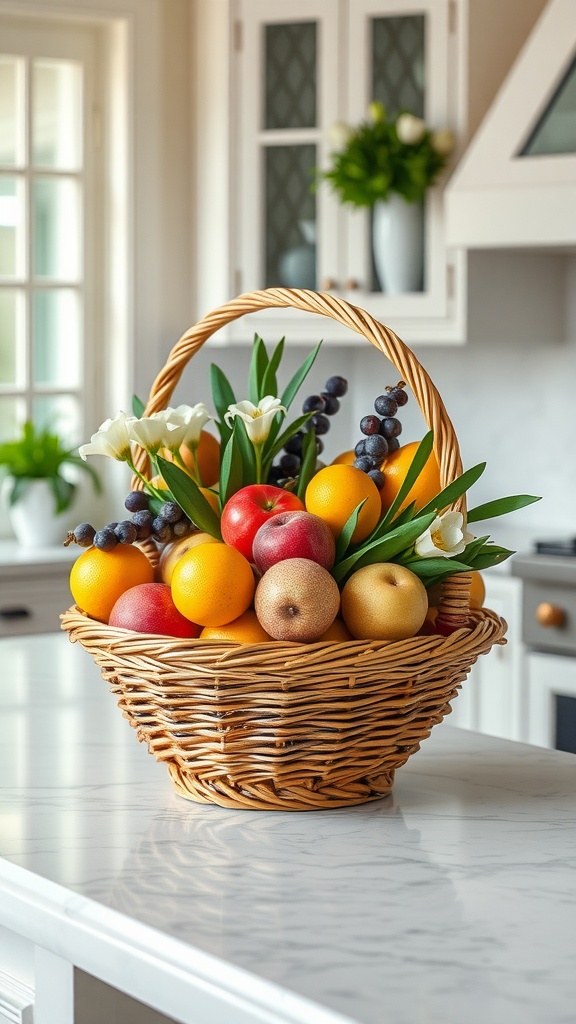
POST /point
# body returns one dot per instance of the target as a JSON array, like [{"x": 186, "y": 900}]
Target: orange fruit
[
  {"x": 477, "y": 590},
  {"x": 149, "y": 608},
  {"x": 344, "y": 459},
  {"x": 338, "y": 632},
  {"x": 207, "y": 458},
  {"x": 395, "y": 468},
  {"x": 212, "y": 499},
  {"x": 98, "y": 578},
  {"x": 244, "y": 630},
  {"x": 334, "y": 492},
  {"x": 212, "y": 584},
  {"x": 174, "y": 550}
]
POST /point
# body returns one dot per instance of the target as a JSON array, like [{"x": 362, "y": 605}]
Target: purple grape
[
  {"x": 331, "y": 404},
  {"x": 336, "y": 386},
  {"x": 385, "y": 405},
  {"x": 376, "y": 447},
  {"x": 370, "y": 425},
  {"x": 314, "y": 403},
  {"x": 84, "y": 535},
  {"x": 398, "y": 394},
  {"x": 136, "y": 501},
  {"x": 377, "y": 476},
  {"x": 105, "y": 539},
  {"x": 126, "y": 532},
  {"x": 321, "y": 423},
  {"x": 391, "y": 427}
]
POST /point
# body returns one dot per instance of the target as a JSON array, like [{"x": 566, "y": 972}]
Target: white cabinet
[
  {"x": 270, "y": 81},
  {"x": 34, "y": 588},
  {"x": 492, "y": 699}
]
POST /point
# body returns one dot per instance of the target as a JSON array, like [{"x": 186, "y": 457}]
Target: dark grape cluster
[
  {"x": 381, "y": 431},
  {"x": 164, "y": 524},
  {"x": 324, "y": 405}
]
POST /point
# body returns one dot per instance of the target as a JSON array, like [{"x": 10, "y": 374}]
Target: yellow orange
[
  {"x": 212, "y": 584},
  {"x": 175, "y": 549},
  {"x": 98, "y": 578},
  {"x": 212, "y": 499},
  {"x": 338, "y": 632},
  {"x": 246, "y": 629},
  {"x": 334, "y": 492},
  {"x": 395, "y": 468},
  {"x": 477, "y": 590},
  {"x": 345, "y": 458}
]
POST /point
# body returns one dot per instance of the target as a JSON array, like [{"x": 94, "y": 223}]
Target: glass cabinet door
[{"x": 286, "y": 101}]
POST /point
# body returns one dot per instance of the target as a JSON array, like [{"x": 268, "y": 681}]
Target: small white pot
[
  {"x": 398, "y": 245},
  {"x": 33, "y": 517}
]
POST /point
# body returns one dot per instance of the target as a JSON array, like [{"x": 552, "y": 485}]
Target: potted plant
[
  {"x": 387, "y": 164},
  {"x": 39, "y": 484}
]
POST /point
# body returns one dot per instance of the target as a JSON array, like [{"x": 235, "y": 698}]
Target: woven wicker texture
[{"x": 283, "y": 726}]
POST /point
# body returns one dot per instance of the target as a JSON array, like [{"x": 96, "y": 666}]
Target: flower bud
[
  {"x": 339, "y": 135},
  {"x": 410, "y": 129},
  {"x": 376, "y": 111},
  {"x": 442, "y": 141}
]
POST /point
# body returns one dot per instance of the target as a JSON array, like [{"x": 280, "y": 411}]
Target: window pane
[
  {"x": 59, "y": 413},
  {"x": 398, "y": 69},
  {"x": 11, "y": 111},
  {"x": 556, "y": 129},
  {"x": 56, "y": 114},
  {"x": 56, "y": 242},
  {"x": 12, "y": 336},
  {"x": 291, "y": 76},
  {"x": 290, "y": 217},
  {"x": 56, "y": 338},
  {"x": 12, "y": 244},
  {"x": 12, "y": 417}
]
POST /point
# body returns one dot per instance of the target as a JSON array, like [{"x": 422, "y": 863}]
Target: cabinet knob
[
  {"x": 352, "y": 284},
  {"x": 329, "y": 284},
  {"x": 550, "y": 615}
]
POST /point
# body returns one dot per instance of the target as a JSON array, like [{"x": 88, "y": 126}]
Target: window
[{"x": 49, "y": 252}]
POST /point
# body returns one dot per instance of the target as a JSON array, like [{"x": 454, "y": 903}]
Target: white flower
[
  {"x": 153, "y": 433},
  {"x": 445, "y": 537},
  {"x": 410, "y": 129},
  {"x": 442, "y": 141},
  {"x": 191, "y": 418},
  {"x": 376, "y": 111},
  {"x": 339, "y": 135},
  {"x": 258, "y": 418},
  {"x": 112, "y": 438}
]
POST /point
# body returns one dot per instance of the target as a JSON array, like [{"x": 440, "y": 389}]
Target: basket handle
[{"x": 445, "y": 441}]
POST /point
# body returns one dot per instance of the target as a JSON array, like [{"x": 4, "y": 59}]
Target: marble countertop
[{"x": 453, "y": 899}]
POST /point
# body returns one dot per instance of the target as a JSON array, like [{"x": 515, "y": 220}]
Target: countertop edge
[{"x": 142, "y": 962}]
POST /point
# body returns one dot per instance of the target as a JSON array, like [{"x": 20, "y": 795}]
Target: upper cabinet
[
  {"x": 272, "y": 80},
  {"x": 516, "y": 184}
]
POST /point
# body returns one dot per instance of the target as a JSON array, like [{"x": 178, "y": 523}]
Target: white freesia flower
[
  {"x": 339, "y": 135},
  {"x": 190, "y": 418},
  {"x": 153, "y": 433},
  {"x": 112, "y": 438},
  {"x": 410, "y": 129},
  {"x": 258, "y": 418},
  {"x": 443, "y": 141},
  {"x": 444, "y": 538}
]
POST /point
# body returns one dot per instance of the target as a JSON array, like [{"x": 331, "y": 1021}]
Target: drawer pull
[
  {"x": 550, "y": 615},
  {"x": 12, "y": 614}
]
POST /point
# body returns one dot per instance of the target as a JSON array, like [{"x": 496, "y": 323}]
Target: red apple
[
  {"x": 294, "y": 535},
  {"x": 246, "y": 511},
  {"x": 149, "y": 608}
]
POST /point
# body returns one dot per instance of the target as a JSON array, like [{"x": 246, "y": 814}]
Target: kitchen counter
[{"x": 453, "y": 899}]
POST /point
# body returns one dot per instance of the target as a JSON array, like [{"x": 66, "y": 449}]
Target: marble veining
[{"x": 452, "y": 899}]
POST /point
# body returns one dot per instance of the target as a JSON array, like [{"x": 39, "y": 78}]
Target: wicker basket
[{"x": 285, "y": 726}]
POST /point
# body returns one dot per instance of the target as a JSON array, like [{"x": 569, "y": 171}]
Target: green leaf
[
  {"x": 434, "y": 568},
  {"x": 309, "y": 457},
  {"x": 490, "y": 554},
  {"x": 345, "y": 536},
  {"x": 190, "y": 498},
  {"x": 63, "y": 492},
  {"x": 456, "y": 489},
  {"x": 271, "y": 447},
  {"x": 291, "y": 389},
  {"x": 246, "y": 450},
  {"x": 269, "y": 381},
  {"x": 138, "y": 406},
  {"x": 258, "y": 367},
  {"x": 222, "y": 396},
  {"x": 421, "y": 456},
  {"x": 500, "y": 507},
  {"x": 231, "y": 472},
  {"x": 384, "y": 549}
]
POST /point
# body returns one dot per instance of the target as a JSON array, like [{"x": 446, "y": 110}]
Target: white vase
[
  {"x": 33, "y": 517},
  {"x": 398, "y": 245}
]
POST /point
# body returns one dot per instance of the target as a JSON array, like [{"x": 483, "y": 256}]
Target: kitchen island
[{"x": 451, "y": 900}]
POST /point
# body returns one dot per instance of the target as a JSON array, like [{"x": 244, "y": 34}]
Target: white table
[{"x": 452, "y": 900}]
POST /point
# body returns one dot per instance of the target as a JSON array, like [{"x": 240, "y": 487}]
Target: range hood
[{"x": 516, "y": 184}]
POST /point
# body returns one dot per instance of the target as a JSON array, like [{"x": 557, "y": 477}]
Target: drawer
[
  {"x": 562, "y": 596},
  {"x": 33, "y": 605}
]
